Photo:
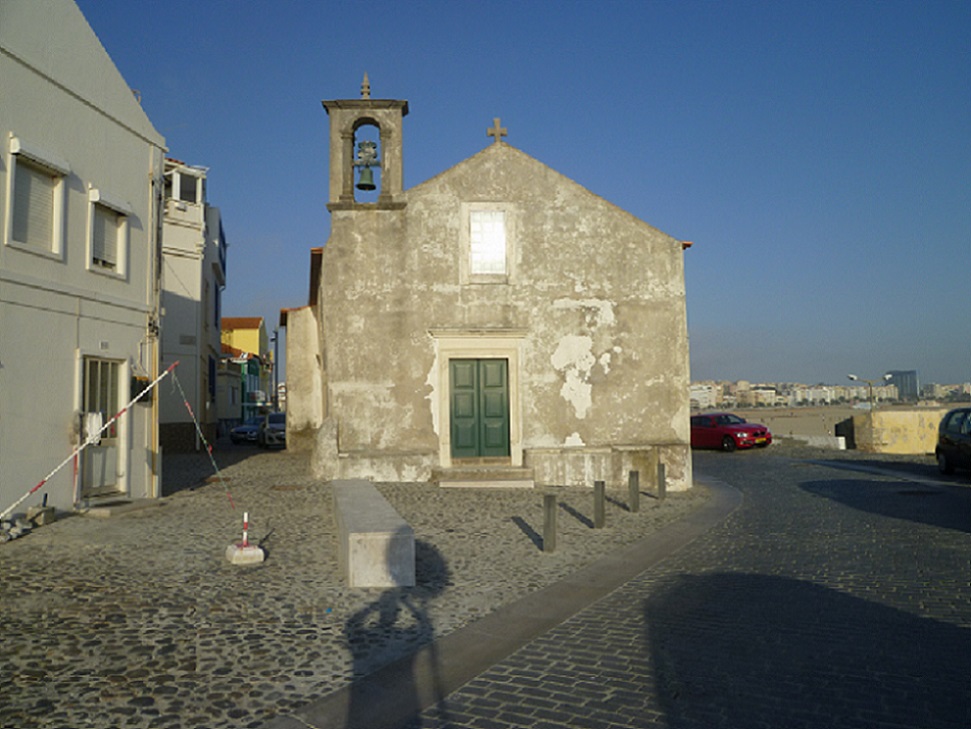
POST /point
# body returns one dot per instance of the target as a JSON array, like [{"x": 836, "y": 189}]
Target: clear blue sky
[{"x": 817, "y": 153}]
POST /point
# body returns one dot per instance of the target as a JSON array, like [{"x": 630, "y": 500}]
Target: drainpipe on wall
[{"x": 155, "y": 272}]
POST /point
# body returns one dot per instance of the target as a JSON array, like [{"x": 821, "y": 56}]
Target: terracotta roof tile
[{"x": 241, "y": 322}]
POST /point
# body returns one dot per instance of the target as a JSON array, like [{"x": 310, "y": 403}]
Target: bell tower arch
[{"x": 365, "y": 145}]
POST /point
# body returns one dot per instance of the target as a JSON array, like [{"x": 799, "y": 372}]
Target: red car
[{"x": 727, "y": 431}]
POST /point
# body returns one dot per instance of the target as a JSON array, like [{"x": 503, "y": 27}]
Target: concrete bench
[{"x": 375, "y": 546}]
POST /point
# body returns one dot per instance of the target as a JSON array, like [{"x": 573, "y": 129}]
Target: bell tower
[{"x": 365, "y": 152}]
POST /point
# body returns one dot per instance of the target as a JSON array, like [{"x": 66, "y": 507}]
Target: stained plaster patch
[
  {"x": 432, "y": 396},
  {"x": 598, "y": 312},
  {"x": 574, "y": 439},
  {"x": 605, "y": 362},
  {"x": 574, "y": 358},
  {"x": 605, "y": 358}
]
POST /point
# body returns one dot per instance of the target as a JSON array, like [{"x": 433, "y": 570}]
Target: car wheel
[
  {"x": 943, "y": 464},
  {"x": 728, "y": 444}
]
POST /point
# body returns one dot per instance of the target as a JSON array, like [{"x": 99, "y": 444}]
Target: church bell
[{"x": 366, "y": 182}]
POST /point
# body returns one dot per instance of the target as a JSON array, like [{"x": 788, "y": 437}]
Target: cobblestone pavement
[
  {"x": 837, "y": 595},
  {"x": 139, "y": 621}
]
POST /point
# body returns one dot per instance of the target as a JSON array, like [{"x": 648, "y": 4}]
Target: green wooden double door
[{"x": 479, "y": 408}]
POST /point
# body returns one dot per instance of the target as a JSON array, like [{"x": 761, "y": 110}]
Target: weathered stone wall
[
  {"x": 305, "y": 413},
  {"x": 582, "y": 466},
  {"x": 905, "y": 432},
  {"x": 596, "y": 295}
]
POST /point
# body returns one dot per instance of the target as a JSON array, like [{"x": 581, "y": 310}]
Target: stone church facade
[{"x": 497, "y": 324}]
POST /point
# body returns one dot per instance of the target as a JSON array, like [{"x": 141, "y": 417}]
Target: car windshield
[
  {"x": 730, "y": 420},
  {"x": 278, "y": 418}
]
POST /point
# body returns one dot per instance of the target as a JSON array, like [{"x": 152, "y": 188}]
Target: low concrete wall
[
  {"x": 904, "y": 432},
  {"x": 823, "y": 441},
  {"x": 581, "y": 466},
  {"x": 375, "y": 546}
]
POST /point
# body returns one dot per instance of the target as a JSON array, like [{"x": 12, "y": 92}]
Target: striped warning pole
[
  {"x": 243, "y": 553},
  {"x": 91, "y": 439}
]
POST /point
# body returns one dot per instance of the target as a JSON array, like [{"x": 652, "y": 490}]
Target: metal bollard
[
  {"x": 662, "y": 486},
  {"x": 599, "y": 497},
  {"x": 549, "y": 523},
  {"x": 634, "y": 487}
]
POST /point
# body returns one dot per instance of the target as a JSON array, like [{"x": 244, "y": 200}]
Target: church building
[{"x": 498, "y": 324}]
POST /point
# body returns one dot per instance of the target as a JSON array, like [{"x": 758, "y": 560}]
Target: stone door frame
[{"x": 504, "y": 344}]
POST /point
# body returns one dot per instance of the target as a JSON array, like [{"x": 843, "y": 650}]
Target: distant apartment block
[
  {"x": 705, "y": 395},
  {"x": 710, "y": 394},
  {"x": 907, "y": 383},
  {"x": 956, "y": 392}
]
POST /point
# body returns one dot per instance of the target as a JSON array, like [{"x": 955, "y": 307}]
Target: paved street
[
  {"x": 139, "y": 621},
  {"x": 831, "y": 597},
  {"x": 835, "y": 594}
]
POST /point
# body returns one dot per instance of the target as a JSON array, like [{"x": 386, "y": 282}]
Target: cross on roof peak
[{"x": 496, "y": 131}]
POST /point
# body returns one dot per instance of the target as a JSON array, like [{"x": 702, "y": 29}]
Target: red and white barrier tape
[{"x": 91, "y": 438}]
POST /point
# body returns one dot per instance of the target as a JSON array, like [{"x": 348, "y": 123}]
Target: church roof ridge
[{"x": 506, "y": 148}]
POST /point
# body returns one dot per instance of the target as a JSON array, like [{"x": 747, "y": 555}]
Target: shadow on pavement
[
  {"x": 744, "y": 650},
  {"x": 911, "y": 468},
  {"x": 533, "y": 535},
  {"x": 188, "y": 471},
  {"x": 947, "y": 507},
  {"x": 395, "y": 625},
  {"x": 925, "y": 468},
  {"x": 580, "y": 517}
]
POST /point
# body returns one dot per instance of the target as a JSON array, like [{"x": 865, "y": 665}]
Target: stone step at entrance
[{"x": 484, "y": 476}]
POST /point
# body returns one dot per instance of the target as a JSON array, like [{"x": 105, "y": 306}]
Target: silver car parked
[{"x": 273, "y": 431}]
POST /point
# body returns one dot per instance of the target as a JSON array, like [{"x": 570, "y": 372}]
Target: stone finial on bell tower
[{"x": 347, "y": 117}]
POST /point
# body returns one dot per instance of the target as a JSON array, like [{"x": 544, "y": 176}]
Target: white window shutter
[
  {"x": 104, "y": 237},
  {"x": 33, "y": 208}
]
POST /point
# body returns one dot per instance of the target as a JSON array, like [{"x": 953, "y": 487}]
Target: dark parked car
[
  {"x": 727, "y": 431},
  {"x": 246, "y": 431},
  {"x": 954, "y": 441},
  {"x": 273, "y": 431}
]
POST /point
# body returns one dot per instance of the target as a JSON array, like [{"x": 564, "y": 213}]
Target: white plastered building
[
  {"x": 193, "y": 277},
  {"x": 80, "y": 193}
]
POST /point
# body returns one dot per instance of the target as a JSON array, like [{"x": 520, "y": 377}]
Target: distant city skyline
[
  {"x": 742, "y": 393},
  {"x": 815, "y": 153},
  {"x": 845, "y": 383}
]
